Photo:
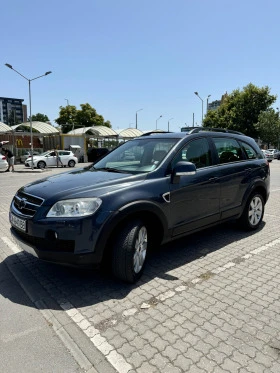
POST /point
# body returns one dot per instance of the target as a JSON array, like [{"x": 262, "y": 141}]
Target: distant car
[
  {"x": 48, "y": 159},
  {"x": 3, "y": 162},
  {"x": 26, "y": 155},
  {"x": 268, "y": 155},
  {"x": 275, "y": 153}
]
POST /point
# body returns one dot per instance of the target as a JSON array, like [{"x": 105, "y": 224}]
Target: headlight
[{"x": 72, "y": 208}]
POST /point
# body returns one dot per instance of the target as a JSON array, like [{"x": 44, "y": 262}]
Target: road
[{"x": 206, "y": 303}]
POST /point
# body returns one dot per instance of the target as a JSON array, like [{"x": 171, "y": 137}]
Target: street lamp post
[
  {"x": 67, "y": 101},
  {"x": 168, "y": 122},
  {"x": 207, "y": 103},
  {"x": 136, "y": 117},
  {"x": 157, "y": 120},
  {"x": 196, "y": 93},
  {"x": 30, "y": 111}
]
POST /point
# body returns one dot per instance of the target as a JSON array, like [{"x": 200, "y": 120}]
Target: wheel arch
[
  {"x": 154, "y": 220},
  {"x": 256, "y": 188},
  {"x": 41, "y": 162},
  {"x": 70, "y": 162}
]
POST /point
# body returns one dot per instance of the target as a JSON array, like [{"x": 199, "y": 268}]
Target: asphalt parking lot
[{"x": 206, "y": 303}]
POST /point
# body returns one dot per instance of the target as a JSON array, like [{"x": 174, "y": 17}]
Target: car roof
[{"x": 193, "y": 133}]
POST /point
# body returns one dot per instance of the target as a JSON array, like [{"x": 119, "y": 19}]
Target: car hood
[{"x": 80, "y": 183}]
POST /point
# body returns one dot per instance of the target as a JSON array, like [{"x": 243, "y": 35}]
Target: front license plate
[{"x": 18, "y": 223}]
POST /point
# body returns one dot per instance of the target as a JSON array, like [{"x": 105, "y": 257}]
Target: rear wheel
[
  {"x": 41, "y": 164},
  {"x": 71, "y": 163},
  {"x": 130, "y": 251},
  {"x": 252, "y": 215}
]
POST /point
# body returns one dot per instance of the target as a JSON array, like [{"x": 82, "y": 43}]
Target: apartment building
[{"x": 12, "y": 111}]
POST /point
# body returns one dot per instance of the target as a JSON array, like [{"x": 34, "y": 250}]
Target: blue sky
[{"x": 124, "y": 55}]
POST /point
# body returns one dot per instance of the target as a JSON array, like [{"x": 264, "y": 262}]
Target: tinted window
[
  {"x": 64, "y": 153},
  {"x": 249, "y": 151},
  {"x": 228, "y": 149},
  {"x": 197, "y": 152}
]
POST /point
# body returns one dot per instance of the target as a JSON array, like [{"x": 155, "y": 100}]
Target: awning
[
  {"x": 40, "y": 127},
  {"x": 5, "y": 128}
]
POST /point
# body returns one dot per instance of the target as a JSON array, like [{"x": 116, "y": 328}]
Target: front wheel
[
  {"x": 252, "y": 215},
  {"x": 130, "y": 251},
  {"x": 41, "y": 164}
]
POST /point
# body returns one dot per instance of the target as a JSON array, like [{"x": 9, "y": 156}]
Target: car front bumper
[{"x": 58, "y": 257}]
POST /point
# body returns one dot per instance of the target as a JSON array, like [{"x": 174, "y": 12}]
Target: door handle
[{"x": 213, "y": 179}]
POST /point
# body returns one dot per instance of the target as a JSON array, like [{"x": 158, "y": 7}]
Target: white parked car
[
  {"x": 49, "y": 159},
  {"x": 3, "y": 162}
]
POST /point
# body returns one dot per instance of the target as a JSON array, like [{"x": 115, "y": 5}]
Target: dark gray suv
[{"x": 148, "y": 191}]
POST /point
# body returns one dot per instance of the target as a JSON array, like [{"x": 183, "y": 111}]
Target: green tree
[
  {"x": 240, "y": 110},
  {"x": 70, "y": 117},
  {"x": 268, "y": 127},
  {"x": 67, "y": 118},
  {"x": 40, "y": 117}
]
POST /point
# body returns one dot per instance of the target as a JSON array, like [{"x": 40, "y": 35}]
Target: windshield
[{"x": 137, "y": 156}]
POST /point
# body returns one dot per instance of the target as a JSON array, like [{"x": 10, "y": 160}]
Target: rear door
[{"x": 233, "y": 175}]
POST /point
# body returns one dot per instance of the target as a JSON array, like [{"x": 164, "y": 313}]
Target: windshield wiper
[{"x": 110, "y": 169}]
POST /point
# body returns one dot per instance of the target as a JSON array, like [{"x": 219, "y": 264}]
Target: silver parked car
[
  {"x": 26, "y": 155},
  {"x": 275, "y": 153},
  {"x": 268, "y": 155}
]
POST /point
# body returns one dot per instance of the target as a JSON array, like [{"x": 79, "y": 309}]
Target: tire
[
  {"x": 41, "y": 164},
  {"x": 71, "y": 163},
  {"x": 252, "y": 215},
  {"x": 130, "y": 251}
]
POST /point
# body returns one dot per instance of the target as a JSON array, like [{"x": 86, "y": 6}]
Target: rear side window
[
  {"x": 64, "y": 153},
  {"x": 249, "y": 151},
  {"x": 228, "y": 150}
]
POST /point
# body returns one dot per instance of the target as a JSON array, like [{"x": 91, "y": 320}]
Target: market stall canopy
[
  {"x": 5, "y": 128},
  {"x": 129, "y": 133},
  {"x": 99, "y": 131},
  {"x": 40, "y": 127}
]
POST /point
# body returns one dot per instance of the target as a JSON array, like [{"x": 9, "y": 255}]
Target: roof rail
[
  {"x": 201, "y": 129},
  {"x": 153, "y": 132}
]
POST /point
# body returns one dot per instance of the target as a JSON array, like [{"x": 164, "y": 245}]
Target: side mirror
[{"x": 182, "y": 168}]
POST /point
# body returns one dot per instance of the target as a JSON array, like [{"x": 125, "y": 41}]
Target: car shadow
[{"x": 88, "y": 287}]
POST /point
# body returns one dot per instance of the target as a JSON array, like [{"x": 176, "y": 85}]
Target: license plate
[{"x": 18, "y": 223}]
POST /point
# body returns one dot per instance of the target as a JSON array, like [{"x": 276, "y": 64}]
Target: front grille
[
  {"x": 42, "y": 244},
  {"x": 27, "y": 204},
  {"x": 32, "y": 199}
]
